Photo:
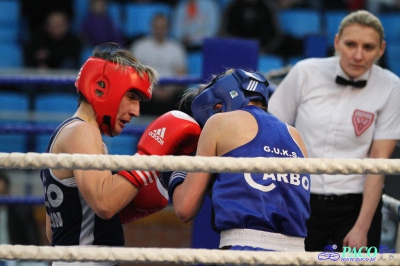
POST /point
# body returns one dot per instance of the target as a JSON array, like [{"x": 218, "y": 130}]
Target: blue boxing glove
[{"x": 170, "y": 180}]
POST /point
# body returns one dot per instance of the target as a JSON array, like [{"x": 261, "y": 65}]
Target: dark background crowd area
[
  {"x": 61, "y": 34},
  {"x": 253, "y": 19}
]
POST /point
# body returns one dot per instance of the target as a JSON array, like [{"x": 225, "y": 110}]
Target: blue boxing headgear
[{"x": 230, "y": 91}]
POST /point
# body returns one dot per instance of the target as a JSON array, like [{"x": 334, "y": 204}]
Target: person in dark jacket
[{"x": 55, "y": 46}]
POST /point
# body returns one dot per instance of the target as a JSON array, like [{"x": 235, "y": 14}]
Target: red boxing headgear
[{"x": 103, "y": 84}]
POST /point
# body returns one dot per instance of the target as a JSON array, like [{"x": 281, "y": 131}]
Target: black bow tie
[{"x": 357, "y": 84}]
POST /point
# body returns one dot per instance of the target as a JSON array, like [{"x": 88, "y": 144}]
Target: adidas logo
[
  {"x": 252, "y": 85},
  {"x": 158, "y": 135}
]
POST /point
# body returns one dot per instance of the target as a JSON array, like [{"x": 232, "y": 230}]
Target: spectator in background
[
  {"x": 168, "y": 57},
  {"x": 195, "y": 20},
  {"x": 258, "y": 19},
  {"x": 17, "y": 222},
  {"x": 54, "y": 46},
  {"x": 97, "y": 27},
  {"x": 35, "y": 20}
]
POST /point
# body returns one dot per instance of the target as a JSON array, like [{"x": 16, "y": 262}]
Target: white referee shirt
[{"x": 338, "y": 121}]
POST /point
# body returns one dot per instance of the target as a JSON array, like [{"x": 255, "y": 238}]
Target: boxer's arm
[
  {"x": 150, "y": 199},
  {"x": 49, "y": 233},
  {"x": 170, "y": 180},
  {"x": 98, "y": 187},
  {"x": 174, "y": 133}
]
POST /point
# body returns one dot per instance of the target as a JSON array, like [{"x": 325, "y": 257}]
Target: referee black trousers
[{"x": 332, "y": 217}]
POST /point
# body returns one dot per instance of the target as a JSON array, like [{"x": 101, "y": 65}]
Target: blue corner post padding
[{"x": 220, "y": 54}]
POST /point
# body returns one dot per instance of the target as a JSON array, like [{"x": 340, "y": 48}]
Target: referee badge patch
[{"x": 361, "y": 121}]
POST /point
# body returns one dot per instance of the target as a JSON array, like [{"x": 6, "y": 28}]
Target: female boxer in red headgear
[{"x": 88, "y": 207}]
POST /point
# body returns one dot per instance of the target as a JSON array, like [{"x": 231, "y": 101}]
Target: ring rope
[
  {"x": 189, "y": 256},
  {"x": 391, "y": 204},
  {"x": 29, "y": 200},
  {"x": 172, "y": 255},
  {"x": 32, "y": 76},
  {"x": 32, "y": 128},
  {"x": 199, "y": 163}
]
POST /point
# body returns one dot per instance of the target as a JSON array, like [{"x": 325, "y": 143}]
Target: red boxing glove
[
  {"x": 173, "y": 133},
  {"x": 140, "y": 178},
  {"x": 150, "y": 199}
]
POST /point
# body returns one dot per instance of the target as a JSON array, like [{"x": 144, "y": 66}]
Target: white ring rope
[
  {"x": 170, "y": 255},
  {"x": 200, "y": 164},
  {"x": 392, "y": 204},
  {"x": 190, "y": 163}
]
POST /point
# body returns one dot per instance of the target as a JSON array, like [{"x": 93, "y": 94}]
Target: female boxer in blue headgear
[{"x": 252, "y": 211}]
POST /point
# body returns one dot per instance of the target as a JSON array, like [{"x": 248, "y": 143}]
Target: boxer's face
[
  {"x": 359, "y": 47},
  {"x": 128, "y": 108}
]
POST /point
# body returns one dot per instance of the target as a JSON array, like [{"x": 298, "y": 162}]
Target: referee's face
[{"x": 359, "y": 47}]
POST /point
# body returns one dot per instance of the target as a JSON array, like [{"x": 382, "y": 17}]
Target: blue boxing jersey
[
  {"x": 73, "y": 222},
  {"x": 272, "y": 202}
]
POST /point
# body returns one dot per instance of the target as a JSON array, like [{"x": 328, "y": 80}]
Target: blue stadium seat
[
  {"x": 267, "y": 63},
  {"x": 139, "y": 15},
  {"x": 13, "y": 142},
  {"x": 13, "y": 102},
  {"x": 195, "y": 63},
  {"x": 332, "y": 22},
  {"x": 124, "y": 144},
  {"x": 391, "y": 24},
  {"x": 57, "y": 106},
  {"x": 9, "y": 34},
  {"x": 11, "y": 55},
  {"x": 10, "y": 11},
  {"x": 85, "y": 53},
  {"x": 57, "y": 102},
  {"x": 393, "y": 58},
  {"x": 81, "y": 8},
  {"x": 9, "y": 20},
  {"x": 300, "y": 22},
  {"x": 115, "y": 11}
]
